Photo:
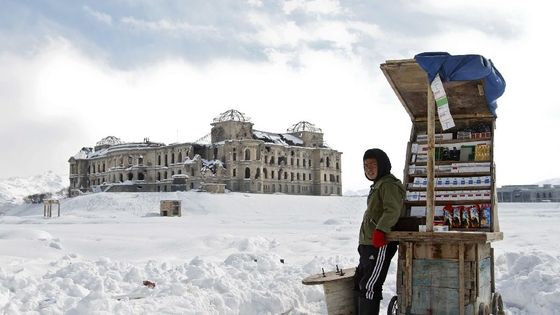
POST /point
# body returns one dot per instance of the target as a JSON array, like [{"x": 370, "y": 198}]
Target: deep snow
[{"x": 223, "y": 256}]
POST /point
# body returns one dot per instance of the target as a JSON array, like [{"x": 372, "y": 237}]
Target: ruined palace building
[{"x": 237, "y": 158}]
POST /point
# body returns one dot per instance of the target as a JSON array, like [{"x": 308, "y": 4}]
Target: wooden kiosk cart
[{"x": 450, "y": 180}]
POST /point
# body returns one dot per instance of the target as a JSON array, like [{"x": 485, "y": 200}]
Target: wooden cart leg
[
  {"x": 492, "y": 279},
  {"x": 408, "y": 274},
  {"x": 461, "y": 278}
]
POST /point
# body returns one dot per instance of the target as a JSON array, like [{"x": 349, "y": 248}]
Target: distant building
[
  {"x": 529, "y": 193},
  {"x": 245, "y": 160}
]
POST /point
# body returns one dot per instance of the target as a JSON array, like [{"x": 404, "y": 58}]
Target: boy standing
[{"x": 384, "y": 207}]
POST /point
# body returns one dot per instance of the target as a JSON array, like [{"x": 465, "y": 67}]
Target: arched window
[
  {"x": 258, "y": 174},
  {"x": 159, "y": 160},
  {"x": 103, "y": 167},
  {"x": 265, "y": 172},
  {"x": 121, "y": 178},
  {"x": 140, "y": 176},
  {"x": 130, "y": 176},
  {"x": 141, "y": 160},
  {"x": 272, "y": 160},
  {"x": 247, "y": 172},
  {"x": 234, "y": 156},
  {"x": 180, "y": 158},
  {"x": 337, "y": 166},
  {"x": 247, "y": 154},
  {"x": 328, "y": 162},
  {"x": 158, "y": 176},
  {"x": 172, "y": 158},
  {"x": 166, "y": 160}
]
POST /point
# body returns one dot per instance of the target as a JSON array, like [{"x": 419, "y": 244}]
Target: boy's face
[{"x": 370, "y": 168}]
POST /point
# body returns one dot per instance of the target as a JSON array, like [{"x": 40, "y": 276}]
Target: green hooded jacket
[{"x": 384, "y": 207}]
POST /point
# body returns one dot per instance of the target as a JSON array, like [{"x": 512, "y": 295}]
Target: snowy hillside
[
  {"x": 13, "y": 190},
  {"x": 228, "y": 254}
]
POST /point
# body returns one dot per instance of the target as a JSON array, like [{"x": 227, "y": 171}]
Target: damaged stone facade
[{"x": 243, "y": 159}]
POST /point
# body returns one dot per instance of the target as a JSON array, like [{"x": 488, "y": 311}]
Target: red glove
[{"x": 378, "y": 239}]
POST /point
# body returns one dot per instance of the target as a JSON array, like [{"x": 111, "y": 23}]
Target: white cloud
[
  {"x": 166, "y": 25},
  {"x": 325, "y": 7},
  {"x": 338, "y": 35},
  {"x": 100, "y": 16},
  {"x": 255, "y": 3}
]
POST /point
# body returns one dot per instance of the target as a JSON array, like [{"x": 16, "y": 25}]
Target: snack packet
[
  {"x": 485, "y": 216},
  {"x": 457, "y": 216},
  {"x": 465, "y": 218},
  {"x": 474, "y": 212},
  {"x": 448, "y": 215}
]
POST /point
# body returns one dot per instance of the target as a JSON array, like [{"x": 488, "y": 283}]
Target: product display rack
[{"x": 438, "y": 271}]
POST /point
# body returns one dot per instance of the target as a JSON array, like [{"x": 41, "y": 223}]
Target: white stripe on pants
[{"x": 376, "y": 271}]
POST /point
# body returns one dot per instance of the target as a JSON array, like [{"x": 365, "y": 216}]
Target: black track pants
[{"x": 372, "y": 270}]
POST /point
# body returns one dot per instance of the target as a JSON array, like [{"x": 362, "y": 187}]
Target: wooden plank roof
[{"x": 410, "y": 83}]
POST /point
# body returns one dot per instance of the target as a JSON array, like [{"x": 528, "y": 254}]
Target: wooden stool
[{"x": 338, "y": 287}]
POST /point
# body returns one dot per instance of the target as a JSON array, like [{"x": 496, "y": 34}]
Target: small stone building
[{"x": 245, "y": 160}]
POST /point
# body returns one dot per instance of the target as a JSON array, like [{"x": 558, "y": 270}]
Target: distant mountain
[
  {"x": 14, "y": 189},
  {"x": 552, "y": 181}
]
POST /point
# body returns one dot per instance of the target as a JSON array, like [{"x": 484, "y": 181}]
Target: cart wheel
[
  {"x": 393, "y": 308},
  {"x": 497, "y": 304},
  {"x": 483, "y": 309}
]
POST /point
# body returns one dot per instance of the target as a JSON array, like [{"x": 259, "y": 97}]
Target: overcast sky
[{"x": 73, "y": 72}]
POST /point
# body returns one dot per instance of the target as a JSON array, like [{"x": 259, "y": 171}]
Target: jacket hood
[{"x": 383, "y": 162}]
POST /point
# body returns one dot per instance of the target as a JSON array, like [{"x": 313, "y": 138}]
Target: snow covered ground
[{"x": 233, "y": 253}]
